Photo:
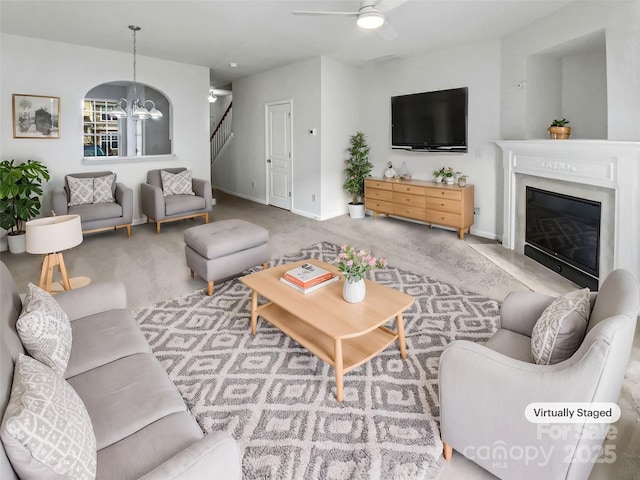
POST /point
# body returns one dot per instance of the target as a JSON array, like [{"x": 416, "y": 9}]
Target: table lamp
[{"x": 50, "y": 236}]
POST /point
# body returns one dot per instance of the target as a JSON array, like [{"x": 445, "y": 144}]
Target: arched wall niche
[{"x": 106, "y": 136}]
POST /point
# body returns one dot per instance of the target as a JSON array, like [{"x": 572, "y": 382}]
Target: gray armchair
[
  {"x": 484, "y": 389},
  {"x": 159, "y": 208},
  {"x": 96, "y": 217}
]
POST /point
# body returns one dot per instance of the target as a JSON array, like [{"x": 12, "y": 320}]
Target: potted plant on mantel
[
  {"x": 357, "y": 169},
  {"x": 558, "y": 129},
  {"x": 20, "y": 191}
]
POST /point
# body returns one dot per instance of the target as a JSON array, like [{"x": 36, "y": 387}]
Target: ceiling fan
[{"x": 370, "y": 16}]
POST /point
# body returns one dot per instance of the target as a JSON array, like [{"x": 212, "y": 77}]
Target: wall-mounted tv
[{"x": 430, "y": 121}]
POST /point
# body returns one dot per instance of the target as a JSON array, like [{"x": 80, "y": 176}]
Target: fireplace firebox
[{"x": 563, "y": 233}]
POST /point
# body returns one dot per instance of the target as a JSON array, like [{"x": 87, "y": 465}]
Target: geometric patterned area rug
[{"x": 279, "y": 401}]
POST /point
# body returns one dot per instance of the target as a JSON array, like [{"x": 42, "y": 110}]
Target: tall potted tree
[
  {"x": 20, "y": 191},
  {"x": 357, "y": 169}
]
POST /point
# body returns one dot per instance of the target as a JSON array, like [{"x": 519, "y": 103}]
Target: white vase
[
  {"x": 356, "y": 210},
  {"x": 449, "y": 180},
  {"x": 17, "y": 243},
  {"x": 354, "y": 291}
]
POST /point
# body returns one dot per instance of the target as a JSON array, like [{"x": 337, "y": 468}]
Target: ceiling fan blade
[
  {"x": 387, "y": 5},
  {"x": 350, "y": 14},
  {"x": 387, "y": 32}
]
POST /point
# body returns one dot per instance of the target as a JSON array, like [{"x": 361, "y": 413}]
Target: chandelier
[{"x": 138, "y": 109}]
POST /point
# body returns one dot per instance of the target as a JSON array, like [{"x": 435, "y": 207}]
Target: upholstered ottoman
[{"x": 220, "y": 250}]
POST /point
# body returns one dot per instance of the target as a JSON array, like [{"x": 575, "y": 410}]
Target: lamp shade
[{"x": 53, "y": 234}]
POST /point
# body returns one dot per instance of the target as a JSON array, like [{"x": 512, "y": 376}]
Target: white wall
[
  {"x": 474, "y": 66},
  {"x": 585, "y": 106},
  {"x": 32, "y": 66},
  {"x": 246, "y": 161},
  {"x": 621, "y": 22},
  {"x": 340, "y": 105}
]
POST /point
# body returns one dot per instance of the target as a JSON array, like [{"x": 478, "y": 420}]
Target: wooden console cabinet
[{"x": 430, "y": 202}]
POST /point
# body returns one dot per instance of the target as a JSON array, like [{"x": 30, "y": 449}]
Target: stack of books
[{"x": 308, "y": 278}]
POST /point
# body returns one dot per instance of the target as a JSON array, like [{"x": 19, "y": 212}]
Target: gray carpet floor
[{"x": 153, "y": 269}]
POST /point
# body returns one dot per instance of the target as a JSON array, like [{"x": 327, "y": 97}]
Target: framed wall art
[{"x": 36, "y": 116}]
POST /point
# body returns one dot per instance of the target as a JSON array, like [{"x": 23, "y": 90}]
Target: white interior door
[{"x": 279, "y": 154}]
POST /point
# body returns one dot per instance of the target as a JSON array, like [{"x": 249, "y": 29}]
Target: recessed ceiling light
[{"x": 233, "y": 64}]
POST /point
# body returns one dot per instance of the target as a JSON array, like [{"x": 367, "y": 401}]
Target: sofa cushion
[
  {"x": 96, "y": 211},
  {"x": 80, "y": 191},
  {"x": 177, "y": 183},
  {"x": 103, "y": 188},
  {"x": 141, "y": 452},
  {"x": 560, "y": 329},
  {"x": 46, "y": 430},
  {"x": 102, "y": 338},
  {"x": 177, "y": 204},
  {"x": 44, "y": 329},
  {"x": 125, "y": 396}
]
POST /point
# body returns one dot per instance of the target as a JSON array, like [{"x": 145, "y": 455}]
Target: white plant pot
[
  {"x": 17, "y": 243},
  {"x": 356, "y": 210},
  {"x": 354, "y": 292},
  {"x": 449, "y": 180}
]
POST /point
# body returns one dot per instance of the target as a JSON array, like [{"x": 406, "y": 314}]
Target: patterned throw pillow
[
  {"x": 80, "y": 191},
  {"x": 176, "y": 183},
  {"x": 46, "y": 430},
  {"x": 560, "y": 329},
  {"x": 45, "y": 330},
  {"x": 103, "y": 189}
]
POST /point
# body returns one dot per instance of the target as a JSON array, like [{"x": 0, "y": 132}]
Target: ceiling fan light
[{"x": 370, "y": 20}]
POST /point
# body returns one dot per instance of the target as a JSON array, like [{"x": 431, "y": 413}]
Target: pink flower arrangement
[{"x": 355, "y": 263}]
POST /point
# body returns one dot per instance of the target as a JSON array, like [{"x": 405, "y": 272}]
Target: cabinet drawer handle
[
  {"x": 377, "y": 194},
  {"x": 408, "y": 189},
  {"x": 442, "y": 204},
  {"x": 441, "y": 193}
]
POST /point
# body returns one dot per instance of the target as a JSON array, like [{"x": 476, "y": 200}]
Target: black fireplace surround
[{"x": 563, "y": 234}]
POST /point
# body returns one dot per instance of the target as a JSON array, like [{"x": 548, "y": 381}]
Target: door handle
[{"x": 268, "y": 160}]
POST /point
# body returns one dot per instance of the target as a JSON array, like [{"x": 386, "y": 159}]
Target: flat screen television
[{"x": 430, "y": 121}]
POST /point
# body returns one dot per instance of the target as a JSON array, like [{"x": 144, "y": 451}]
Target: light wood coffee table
[{"x": 344, "y": 335}]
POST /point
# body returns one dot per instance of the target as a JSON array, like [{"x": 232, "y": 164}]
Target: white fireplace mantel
[{"x": 599, "y": 163}]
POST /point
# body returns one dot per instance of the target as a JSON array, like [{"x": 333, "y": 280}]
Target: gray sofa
[
  {"x": 96, "y": 217},
  {"x": 484, "y": 389},
  {"x": 141, "y": 424}
]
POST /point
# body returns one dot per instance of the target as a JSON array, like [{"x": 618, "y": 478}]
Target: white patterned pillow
[
  {"x": 103, "y": 189},
  {"x": 560, "y": 329},
  {"x": 46, "y": 430},
  {"x": 45, "y": 330},
  {"x": 176, "y": 183},
  {"x": 80, "y": 191}
]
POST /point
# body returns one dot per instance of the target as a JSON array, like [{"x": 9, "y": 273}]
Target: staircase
[{"x": 221, "y": 134}]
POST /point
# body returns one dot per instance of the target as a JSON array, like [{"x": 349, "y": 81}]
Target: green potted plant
[
  {"x": 449, "y": 176},
  {"x": 438, "y": 175},
  {"x": 558, "y": 129},
  {"x": 462, "y": 180},
  {"x": 357, "y": 169},
  {"x": 20, "y": 191}
]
